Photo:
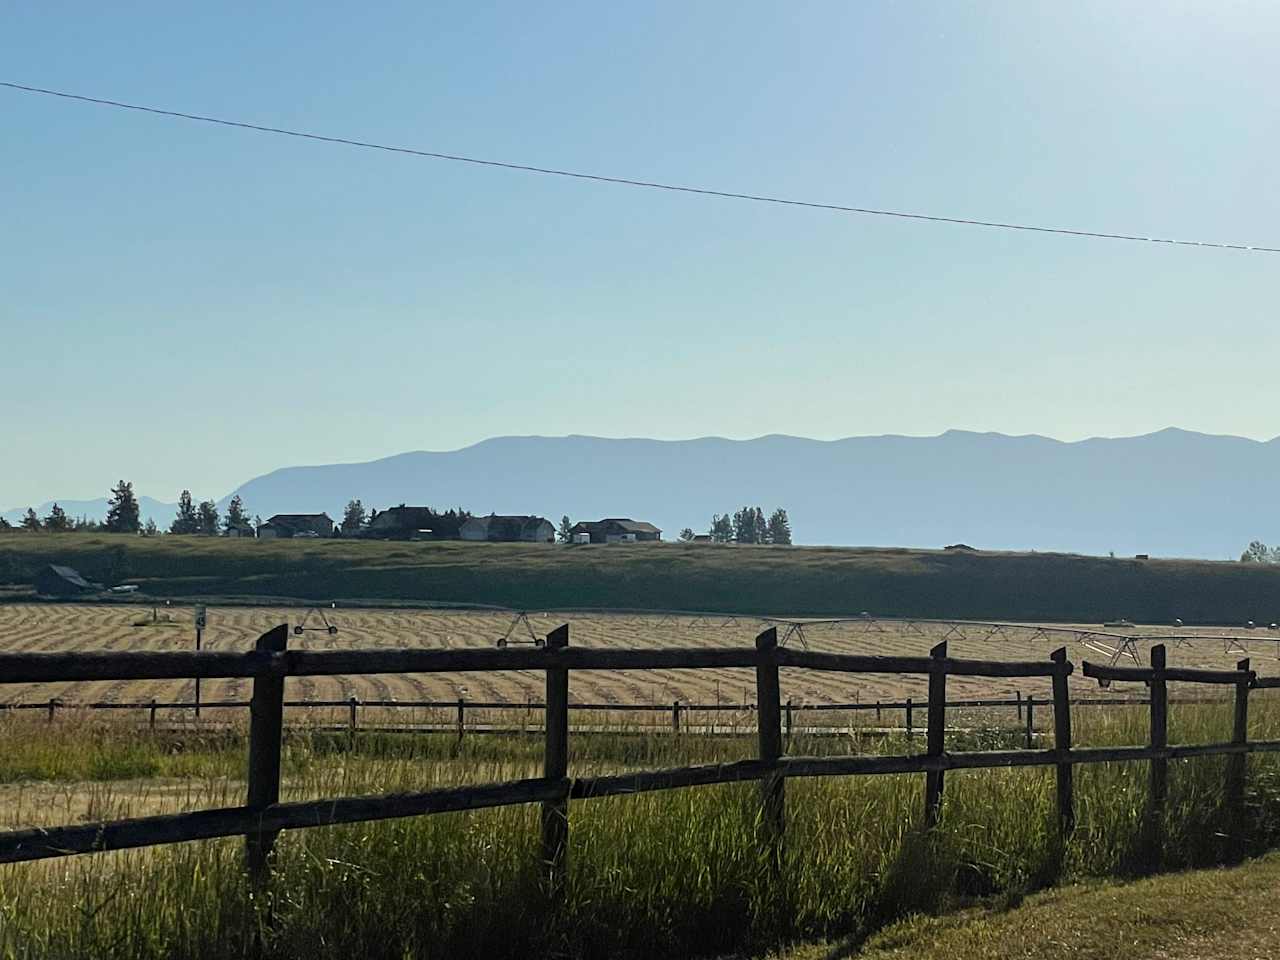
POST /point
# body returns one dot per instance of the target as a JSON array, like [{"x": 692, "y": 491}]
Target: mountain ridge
[{"x": 1171, "y": 492}]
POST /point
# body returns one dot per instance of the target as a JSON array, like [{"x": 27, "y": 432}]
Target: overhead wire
[{"x": 631, "y": 182}]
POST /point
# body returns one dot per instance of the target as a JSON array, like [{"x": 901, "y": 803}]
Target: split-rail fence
[{"x": 263, "y": 816}]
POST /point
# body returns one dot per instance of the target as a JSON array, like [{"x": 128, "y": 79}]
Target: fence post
[
  {"x": 1031, "y": 720},
  {"x": 675, "y": 716},
  {"x": 152, "y": 722},
  {"x": 1159, "y": 783},
  {"x": 555, "y": 766},
  {"x": 462, "y": 717},
  {"x": 1236, "y": 767},
  {"x": 908, "y": 723},
  {"x": 53, "y": 705},
  {"x": 1018, "y": 695},
  {"x": 772, "y": 788},
  {"x": 1062, "y": 742},
  {"x": 877, "y": 711},
  {"x": 933, "y": 779},
  {"x": 266, "y": 728},
  {"x": 351, "y": 720},
  {"x": 788, "y": 721}
]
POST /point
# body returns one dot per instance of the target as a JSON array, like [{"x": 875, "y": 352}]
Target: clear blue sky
[{"x": 189, "y": 306}]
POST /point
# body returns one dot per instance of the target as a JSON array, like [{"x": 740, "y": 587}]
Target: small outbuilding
[
  {"x": 58, "y": 581},
  {"x": 494, "y": 528},
  {"x": 617, "y": 530}
]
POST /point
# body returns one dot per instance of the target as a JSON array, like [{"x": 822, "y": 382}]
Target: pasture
[
  {"x": 671, "y": 873},
  {"x": 72, "y": 627}
]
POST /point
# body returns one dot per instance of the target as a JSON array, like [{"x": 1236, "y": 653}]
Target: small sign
[{"x": 201, "y": 619}]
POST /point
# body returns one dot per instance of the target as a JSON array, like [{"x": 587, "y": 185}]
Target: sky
[{"x": 186, "y": 305}]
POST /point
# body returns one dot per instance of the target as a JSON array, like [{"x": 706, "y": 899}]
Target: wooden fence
[
  {"x": 679, "y": 712},
  {"x": 263, "y": 816}
]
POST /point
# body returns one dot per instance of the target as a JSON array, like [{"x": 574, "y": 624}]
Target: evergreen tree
[
  {"x": 186, "y": 521},
  {"x": 566, "y": 527},
  {"x": 1257, "y": 552},
  {"x": 780, "y": 528},
  {"x": 236, "y": 517},
  {"x": 56, "y": 521},
  {"x": 5, "y": 524},
  {"x": 122, "y": 509},
  {"x": 30, "y": 521},
  {"x": 207, "y": 519},
  {"x": 748, "y": 525},
  {"x": 353, "y": 518},
  {"x": 83, "y": 524},
  {"x": 721, "y": 528},
  {"x": 150, "y": 530}
]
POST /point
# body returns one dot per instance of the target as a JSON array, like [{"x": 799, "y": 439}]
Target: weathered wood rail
[{"x": 263, "y": 816}]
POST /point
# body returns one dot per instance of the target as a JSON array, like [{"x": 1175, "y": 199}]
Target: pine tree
[
  {"x": 566, "y": 530},
  {"x": 748, "y": 525},
  {"x": 780, "y": 528},
  {"x": 30, "y": 521},
  {"x": 207, "y": 519},
  {"x": 236, "y": 516},
  {"x": 186, "y": 521},
  {"x": 5, "y": 524},
  {"x": 122, "y": 509},
  {"x": 150, "y": 530},
  {"x": 721, "y": 528},
  {"x": 56, "y": 521},
  {"x": 353, "y": 518}
]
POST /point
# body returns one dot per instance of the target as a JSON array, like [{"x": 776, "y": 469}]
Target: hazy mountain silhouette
[{"x": 1172, "y": 493}]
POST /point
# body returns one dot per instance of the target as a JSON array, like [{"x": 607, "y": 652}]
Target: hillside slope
[{"x": 765, "y": 580}]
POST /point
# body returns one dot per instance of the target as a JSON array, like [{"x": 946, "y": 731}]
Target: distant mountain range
[{"x": 1170, "y": 493}]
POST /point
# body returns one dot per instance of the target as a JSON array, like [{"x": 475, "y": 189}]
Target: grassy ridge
[{"x": 812, "y": 581}]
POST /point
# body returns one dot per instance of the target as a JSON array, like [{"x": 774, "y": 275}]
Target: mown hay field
[{"x": 51, "y": 627}]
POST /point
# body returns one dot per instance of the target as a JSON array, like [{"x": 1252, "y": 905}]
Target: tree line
[
  {"x": 124, "y": 516},
  {"x": 747, "y": 525}
]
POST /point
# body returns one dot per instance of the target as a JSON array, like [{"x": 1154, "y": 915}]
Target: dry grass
[{"x": 112, "y": 627}]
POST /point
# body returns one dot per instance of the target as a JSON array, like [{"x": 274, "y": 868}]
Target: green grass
[
  {"x": 1200, "y": 915},
  {"x": 670, "y": 874},
  {"x": 764, "y": 580}
]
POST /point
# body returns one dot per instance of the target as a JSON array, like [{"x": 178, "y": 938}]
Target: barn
[
  {"x": 494, "y": 528},
  {"x": 618, "y": 530},
  {"x": 58, "y": 581}
]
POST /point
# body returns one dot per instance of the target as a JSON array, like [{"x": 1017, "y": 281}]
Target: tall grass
[{"x": 675, "y": 873}]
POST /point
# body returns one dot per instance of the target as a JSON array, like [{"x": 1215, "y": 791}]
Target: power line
[{"x": 649, "y": 184}]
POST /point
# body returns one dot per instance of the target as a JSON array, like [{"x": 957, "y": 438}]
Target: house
[
  {"x": 286, "y": 525},
  {"x": 701, "y": 538},
  {"x": 508, "y": 529},
  {"x": 617, "y": 530},
  {"x": 414, "y": 523},
  {"x": 241, "y": 529},
  {"x": 56, "y": 581}
]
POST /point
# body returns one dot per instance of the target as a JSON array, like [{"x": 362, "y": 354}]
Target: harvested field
[{"x": 115, "y": 627}]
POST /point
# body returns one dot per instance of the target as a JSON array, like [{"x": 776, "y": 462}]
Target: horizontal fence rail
[{"x": 263, "y": 816}]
